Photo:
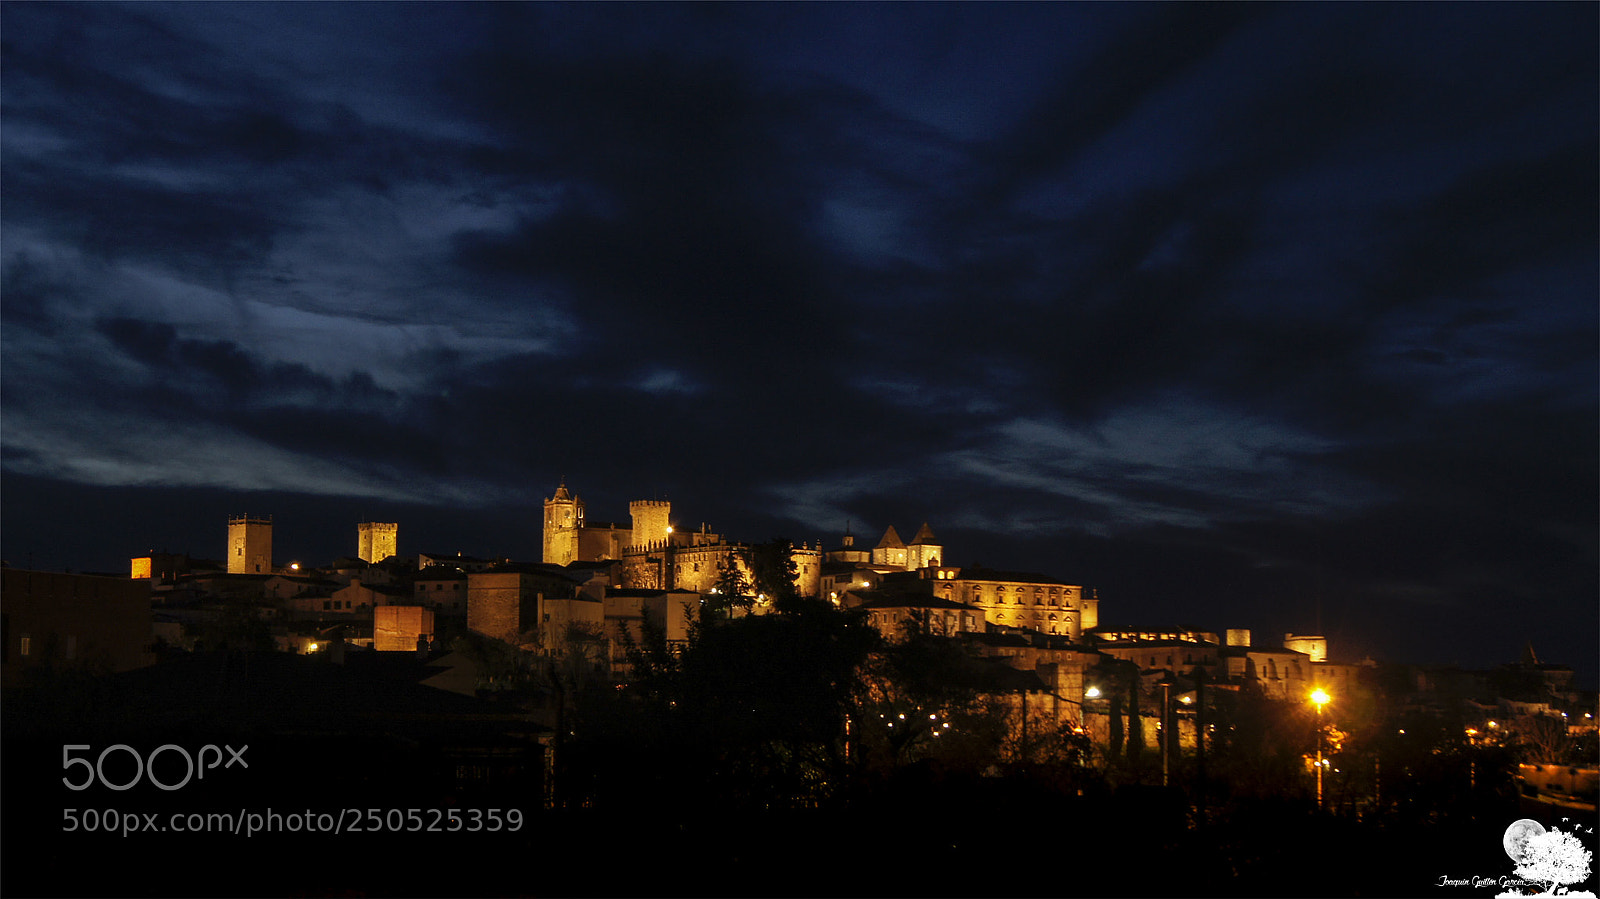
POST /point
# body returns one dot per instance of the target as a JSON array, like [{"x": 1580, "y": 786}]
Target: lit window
[{"x": 26, "y": 645}]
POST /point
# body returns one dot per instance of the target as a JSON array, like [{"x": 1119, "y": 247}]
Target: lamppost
[{"x": 1319, "y": 698}]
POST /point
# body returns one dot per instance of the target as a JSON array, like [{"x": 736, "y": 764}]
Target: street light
[{"x": 1319, "y": 698}]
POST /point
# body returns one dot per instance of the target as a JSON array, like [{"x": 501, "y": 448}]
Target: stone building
[
  {"x": 441, "y": 588},
  {"x": 401, "y": 628},
  {"x": 66, "y": 620},
  {"x": 695, "y": 560},
  {"x": 508, "y": 602},
  {"x": 376, "y": 541},
  {"x": 653, "y": 554},
  {"x": 250, "y": 545},
  {"x": 892, "y": 553},
  {"x": 891, "y": 614},
  {"x": 1020, "y": 598},
  {"x": 568, "y": 537},
  {"x": 626, "y": 611}
]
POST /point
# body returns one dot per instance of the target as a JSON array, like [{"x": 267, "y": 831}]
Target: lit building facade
[
  {"x": 250, "y": 545},
  {"x": 376, "y": 540},
  {"x": 1020, "y": 599}
]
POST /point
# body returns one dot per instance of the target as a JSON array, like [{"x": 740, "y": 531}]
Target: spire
[
  {"x": 891, "y": 540},
  {"x": 924, "y": 536},
  {"x": 1529, "y": 657},
  {"x": 561, "y": 492}
]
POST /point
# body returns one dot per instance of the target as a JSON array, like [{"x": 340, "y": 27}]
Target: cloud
[{"x": 1128, "y": 283}]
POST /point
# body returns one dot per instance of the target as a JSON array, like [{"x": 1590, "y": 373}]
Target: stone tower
[
  {"x": 891, "y": 550},
  {"x": 563, "y": 517},
  {"x": 652, "y": 521},
  {"x": 924, "y": 549},
  {"x": 249, "y": 545},
  {"x": 376, "y": 541}
]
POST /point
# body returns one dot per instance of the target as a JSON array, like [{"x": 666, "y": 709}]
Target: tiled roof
[{"x": 974, "y": 573}]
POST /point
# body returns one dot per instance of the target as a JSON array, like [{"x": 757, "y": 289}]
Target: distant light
[
  {"x": 1320, "y": 697},
  {"x": 311, "y": 648},
  {"x": 294, "y": 566},
  {"x": 669, "y": 528},
  {"x": 865, "y": 584},
  {"x": 1186, "y": 699},
  {"x": 1092, "y": 693}
]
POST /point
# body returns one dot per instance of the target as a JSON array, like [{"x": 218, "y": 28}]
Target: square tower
[
  {"x": 250, "y": 545},
  {"x": 652, "y": 522},
  {"x": 376, "y": 541},
  {"x": 563, "y": 521}
]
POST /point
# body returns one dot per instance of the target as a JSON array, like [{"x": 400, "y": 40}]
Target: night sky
[{"x": 1250, "y": 315}]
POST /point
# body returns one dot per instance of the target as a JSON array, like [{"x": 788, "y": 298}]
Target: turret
[
  {"x": 250, "y": 545},
  {"x": 652, "y": 521}
]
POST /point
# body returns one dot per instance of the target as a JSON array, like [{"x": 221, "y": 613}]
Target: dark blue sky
[{"x": 1244, "y": 314}]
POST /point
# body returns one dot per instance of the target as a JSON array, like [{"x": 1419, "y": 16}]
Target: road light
[{"x": 1319, "y": 698}]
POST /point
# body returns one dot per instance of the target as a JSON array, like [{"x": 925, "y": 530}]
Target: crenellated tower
[
  {"x": 377, "y": 540},
  {"x": 250, "y": 545},
  {"x": 652, "y": 521}
]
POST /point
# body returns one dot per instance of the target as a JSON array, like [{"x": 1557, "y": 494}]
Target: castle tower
[
  {"x": 652, "y": 521},
  {"x": 563, "y": 517},
  {"x": 924, "y": 550},
  {"x": 250, "y": 545},
  {"x": 891, "y": 550},
  {"x": 376, "y": 541}
]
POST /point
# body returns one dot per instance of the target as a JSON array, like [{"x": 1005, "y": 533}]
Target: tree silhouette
[
  {"x": 1135, "y": 720},
  {"x": 731, "y": 591},
  {"x": 1554, "y": 858},
  {"x": 773, "y": 571}
]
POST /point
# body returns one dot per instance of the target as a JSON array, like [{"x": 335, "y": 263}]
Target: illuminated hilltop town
[
  {"x": 665, "y": 671},
  {"x": 609, "y": 579}
]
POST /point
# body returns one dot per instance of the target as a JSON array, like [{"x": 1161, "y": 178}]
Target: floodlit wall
[
  {"x": 397, "y": 628},
  {"x": 376, "y": 541}
]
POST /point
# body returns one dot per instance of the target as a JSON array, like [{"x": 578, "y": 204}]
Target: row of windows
[{"x": 1001, "y": 600}]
